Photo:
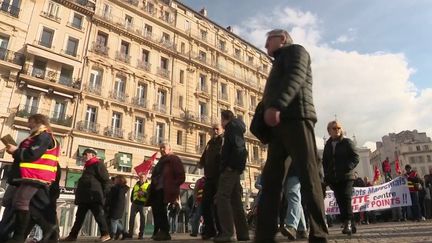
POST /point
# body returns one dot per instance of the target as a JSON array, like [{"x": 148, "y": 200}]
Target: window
[
  {"x": 90, "y": 119},
  {"x": 106, "y": 11},
  {"x": 224, "y": 90},
  {"x": 429, "y": 159},
  {"x": 141, "y": 91},
  {"x": 222, "y": 45},
  {"x": 161, "y": 98},
  {"x": 77, "y": 21},
  {"x": 181, "y": 77},
  {"x": 11, "y": 6},
  {"x": 418, "y": 148},
  {"x": 31, "y": 104},
  {"x": 237, "y": 52},
  {"x": 187, "y": 25},
  {"x": 250, "y": 59},
  {"x": 148, "y": 30},
  {"x": 179, "y": 137},
  {"x": 139, "y": 127},
  {"x": 425, "y": 147},
  {"x": 203, "y": 35},
  {"x": 53, "y": 10},
  {"x": 128, "y": 22},
  {"x": 116, "y": 121},
  {"x": 150, "y": 8},
  {"x": 202, "y": 110},
  {"x": 203, "y": 83},
  {"x": 255, "y": 153},
  {"x": 239, "y": 97},
  {"x": 4, "y": 41},
  {"x": 252, "y": 102},
  {"x": 59, "y": 110},
  {"x": 164, "y": 63},
  {"x": 182, "y": 47},
  {"x": 95, "y": 81},
  {"x": 72, "y": 46},
  {"x": 46, "y": 37},
  {"x": 160, "y": 133},
  {"x": 180, "y": 101},
  {"x": 66, "y": 75},
  {"x": 119, "y": 87},
  {"x": 202, "y": 56},
  {"x": 39, "y": 68},
  {"x": 145, "y": 55},
  {"x": 102, "y": 39},
  {"x": 124, "y": 48},
  {"x": 201, "y": 140}
]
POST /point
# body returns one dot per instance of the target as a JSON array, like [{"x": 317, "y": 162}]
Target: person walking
[
  {"x": 196, "y": 208},
  {"x": 229, "y": 191},
  {"x": 167, "y": 176},
  {"x": 286, "y": 119},
  {"x": 173, "y": 212},
  {"x": 139, "y": 197},
  {"x": 117, "y": 205},
  {"x": 90, "y": 193},
  {"x": 34, "y": 167},
  {"x": 210, "y": 161},
  {"x": 339, "y": 161}
]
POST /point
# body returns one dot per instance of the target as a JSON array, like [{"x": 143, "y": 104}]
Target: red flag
[
  {"x": 377, "y": 174},
  {"x": 397, "y": 167},
  {"x": 146, "y": 165}
]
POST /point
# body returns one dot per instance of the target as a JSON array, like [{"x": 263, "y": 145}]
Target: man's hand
[
  {"x": 272, "y": 117},
  {"x": 10, "y": 149}
]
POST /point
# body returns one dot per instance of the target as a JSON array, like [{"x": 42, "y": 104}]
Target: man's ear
[{"x": 284, "y": 39}]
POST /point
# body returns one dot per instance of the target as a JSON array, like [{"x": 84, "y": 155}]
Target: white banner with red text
[{"x": 392, "y": 194}]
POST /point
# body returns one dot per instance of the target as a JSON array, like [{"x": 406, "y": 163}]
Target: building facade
[
  {"x": 409, "y": 147},
  {"x": 122, "y": 76}
]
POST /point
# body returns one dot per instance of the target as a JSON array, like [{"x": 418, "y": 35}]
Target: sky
[{"x": 370, "y": 58}]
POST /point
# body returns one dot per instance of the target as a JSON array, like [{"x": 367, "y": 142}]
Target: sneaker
[
  {"x": 423, "y": 219},
  {"x": 104, "y": 238}
]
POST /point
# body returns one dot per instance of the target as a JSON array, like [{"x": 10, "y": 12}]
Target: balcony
[
  {"x": 123, "y": 57},
  {"x": 6, "y": 7},
  {"x": 132, "y": 2},
  {"x": 138, "y": 137},
  {"x": 165, "y": 73},
  {"x": 140, "y": 102},
  {"x": 147, "y": 35},
  {"x": 160, "y": 108},
  {"x": 167, "y": 43},
  {"x": 69, "y": 82},
  {"x": 11, "y": 56},
  {"x": 100, "y": 48},
  {"x": 149, "y": 10},
  {"x": 113, "y": 132},
  {"x": 51, "y": 16},
  {"x": 93, "y": 89},
  {"x": 156, "y": 141},
  {"x": 144, "y": 65},
  {"x": 25, "y": 111},
  {"x": 61, "y": 119},
  {"x": 119, "y": 96},
  {"x": 191, "y": 116},
  {"x": 167, "y": 18},
  {"x": 88, "y": 126}
]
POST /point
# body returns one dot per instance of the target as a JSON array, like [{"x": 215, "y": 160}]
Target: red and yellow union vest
[{"x": 43, "y": 169}]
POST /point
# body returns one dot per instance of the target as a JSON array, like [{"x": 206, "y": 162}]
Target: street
[{"x": 380, "y": 232}]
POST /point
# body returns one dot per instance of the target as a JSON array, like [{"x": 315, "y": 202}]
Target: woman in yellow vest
[{"x": 35, "y": 160}]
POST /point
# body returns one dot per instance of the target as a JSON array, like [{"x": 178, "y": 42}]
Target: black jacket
[
  {"x": 93, "y": 185},
  {"x": 210, "y": 159},
  {"x": 289, "y": 85},
  {"x": 340, "y": 165},
  {"x": 117, "y": 203},
  {"x": 234, "y": 151}
]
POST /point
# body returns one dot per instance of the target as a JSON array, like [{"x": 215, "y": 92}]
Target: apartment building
[{"x": 122, "y": 76}]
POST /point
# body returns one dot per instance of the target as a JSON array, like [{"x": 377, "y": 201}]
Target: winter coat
[
  {"x": 339, "y": 165},
  {"x": 117, "y": 201},
  {"x": 173, "y": 209},
  {"x": 234, "y": 153},
  {"x": 289, "y": 85},
  {"x": 210, "y": 159},
  {"x": 170, "y": 172},
  {"x": 94, "y": 183}
]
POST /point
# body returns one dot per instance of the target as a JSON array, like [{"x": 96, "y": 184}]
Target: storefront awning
[{"x": 100, "y": 152}]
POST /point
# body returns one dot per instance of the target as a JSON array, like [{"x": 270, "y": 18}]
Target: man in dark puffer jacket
[{"x": 290, "y": 115}]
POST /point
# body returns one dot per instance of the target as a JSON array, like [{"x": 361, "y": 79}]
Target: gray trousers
[{"x": 229, "y": 205}]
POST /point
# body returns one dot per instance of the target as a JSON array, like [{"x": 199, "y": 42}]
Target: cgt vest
[
  {"x": 43, "y": 169},
  {"x": 140, "y": 193}
]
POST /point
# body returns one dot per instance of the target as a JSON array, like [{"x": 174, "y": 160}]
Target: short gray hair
[
  {"x": 164, "y": 144},
  {"x": 281, "y": 32}
]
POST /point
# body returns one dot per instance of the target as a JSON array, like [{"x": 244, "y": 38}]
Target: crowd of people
[{"x": 291, "y": 187}]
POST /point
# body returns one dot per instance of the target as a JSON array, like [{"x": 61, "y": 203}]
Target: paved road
[{"x": 404, "y": 232}]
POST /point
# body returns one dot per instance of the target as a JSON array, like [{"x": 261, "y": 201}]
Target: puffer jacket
[
  {"x": 339, "y": 165},
  {"x": 234, "y": 153},
  {"x": 289, "y": 85}
]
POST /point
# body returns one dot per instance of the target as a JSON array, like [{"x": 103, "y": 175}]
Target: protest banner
[{"x": 394, "y": 193}]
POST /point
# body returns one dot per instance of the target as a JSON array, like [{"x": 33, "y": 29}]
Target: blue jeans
[
  {"x": 295, "y": 216},
  {"x": 195, "y": 220},
  {"x": 173, "y": 224},
  {"x": 116, "y": 226}
]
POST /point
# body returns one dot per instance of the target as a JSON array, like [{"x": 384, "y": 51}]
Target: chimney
[
  {"x": 203, "y": 12},
  {"x": 229, "y": 28}
]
